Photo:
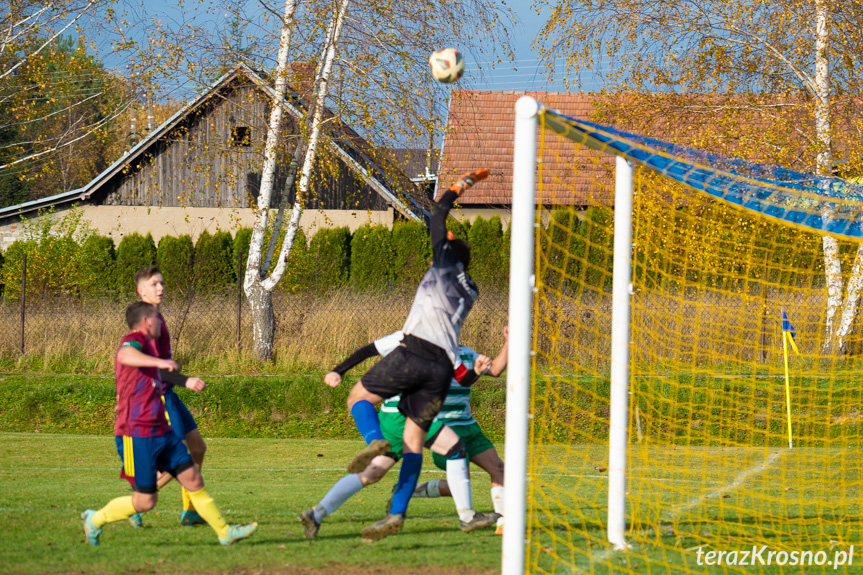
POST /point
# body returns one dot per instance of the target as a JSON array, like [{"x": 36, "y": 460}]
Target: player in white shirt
[
  {"x": 450, "y": 452},
  {"x": 421, "y": 367}
]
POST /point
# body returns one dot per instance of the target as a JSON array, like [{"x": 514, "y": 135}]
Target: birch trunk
[
  {"x": 314, "y": 133},
  {"x": 258, "y": 289},
  {"x": 852, "y": 301},
  {"x": 260, "y": 298},
  {"x": 832, "y": 265}
]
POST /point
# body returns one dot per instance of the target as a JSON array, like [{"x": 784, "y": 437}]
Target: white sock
[
  {"x": 335, "y": 497},
  {"x": 459, "y": 485},
  {"x": 430, "y": 489},
  {"x": 497, "y": 501}
]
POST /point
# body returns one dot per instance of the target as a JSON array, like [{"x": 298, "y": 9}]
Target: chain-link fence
[{"x": 214, "y": 326}]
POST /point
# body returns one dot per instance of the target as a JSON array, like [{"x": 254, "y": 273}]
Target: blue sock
[
  {"x": 366, "y": 417},
  {"x": 412, "y": 463}
]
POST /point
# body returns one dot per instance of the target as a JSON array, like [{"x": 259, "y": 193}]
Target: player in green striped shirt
[{"x": 456, "y": 415}]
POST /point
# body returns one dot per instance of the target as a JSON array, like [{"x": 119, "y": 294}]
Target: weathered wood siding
[{"x": 198, "y": 163}]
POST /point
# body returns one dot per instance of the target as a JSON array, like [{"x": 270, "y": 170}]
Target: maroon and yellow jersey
[{"x": 140, "y": 410}]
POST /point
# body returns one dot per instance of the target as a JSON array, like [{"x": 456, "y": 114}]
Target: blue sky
[{"x": 525, "y": 73}]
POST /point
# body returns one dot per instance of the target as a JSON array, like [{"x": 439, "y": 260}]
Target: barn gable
[{"x": 208, "y": 155}]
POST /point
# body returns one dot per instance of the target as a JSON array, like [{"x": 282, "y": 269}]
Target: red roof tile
[{"x": 480, "y": 134}]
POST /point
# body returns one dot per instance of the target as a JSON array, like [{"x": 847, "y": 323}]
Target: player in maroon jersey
[
  {"x": 150, "y": 285},
  {"x": 145, "y": 442}
]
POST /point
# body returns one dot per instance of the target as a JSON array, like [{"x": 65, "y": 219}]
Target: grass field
[{"x": 47, "y": 480}]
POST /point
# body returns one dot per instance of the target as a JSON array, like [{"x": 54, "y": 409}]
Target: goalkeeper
[
  {"x": 450, "y": 452},
  {"x": 420, "y": 368}
]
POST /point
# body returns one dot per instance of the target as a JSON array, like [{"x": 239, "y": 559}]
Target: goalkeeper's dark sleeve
[
  {"x": 464, "y": 376},
  {"x": 440, "y": 211},
  {"x": 173, "y": 377},
  {"x": 355, "y": 358}
]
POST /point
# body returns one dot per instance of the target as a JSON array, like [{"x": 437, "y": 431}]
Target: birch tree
[
  {"x": 788, "y": 63},
  {"x": 259, "y": 290},
  {"x": 371, "y": 80}
]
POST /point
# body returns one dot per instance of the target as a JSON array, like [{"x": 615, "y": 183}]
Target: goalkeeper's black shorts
[{"x": 418, "y": 370}]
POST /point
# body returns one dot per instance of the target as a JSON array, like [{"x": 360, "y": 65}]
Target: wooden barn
[{"x": 202, "y": 169}]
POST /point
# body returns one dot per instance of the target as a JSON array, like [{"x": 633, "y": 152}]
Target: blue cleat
[
  {"x": 191, "y": 517},
  {"x": 136, "y": 521},
  {"x": 238, "y": 532},
  {"x": 91, "y": 532}
]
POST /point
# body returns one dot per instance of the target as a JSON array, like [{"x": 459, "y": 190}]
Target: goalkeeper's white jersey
[{"x": 456, "y": 405}]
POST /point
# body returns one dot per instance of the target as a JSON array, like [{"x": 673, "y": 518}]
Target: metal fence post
[
  {"x": 239, "y": 296},
  {"x": 23, "y": 297}
]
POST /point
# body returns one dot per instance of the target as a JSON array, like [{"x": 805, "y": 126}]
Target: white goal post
[{"x": 518, "y": 382}]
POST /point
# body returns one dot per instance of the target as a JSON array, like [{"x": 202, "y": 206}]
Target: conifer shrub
[
  {"x": 459, "y": 228},
  {"x": 213, "y": 256},
  {"x": 242, "y": 240},
  {"x": 596, "y": 233},
  {"x": 331, "y": 259},
  {"x": 485, "y": 237},
  {"x": 371, "y": 258},
  {"x": 412, "y": 253},
  {"x": 134, "y": 252},
  {"x": 176, "y": 256},
  {"x": 96, "y": 269},
  {"x": 564, "y": 247},
  {"x": 298, "y": 272}
]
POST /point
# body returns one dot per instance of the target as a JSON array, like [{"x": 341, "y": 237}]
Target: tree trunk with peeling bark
[
  {"x": 824, "y": 161},
  {"x": 259, "y": 288},
  {"x": 260, "y": 299}
]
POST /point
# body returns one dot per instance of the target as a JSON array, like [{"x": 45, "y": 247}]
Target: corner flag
[
  {"x": 788, "y": 331},
  {"x": 788, "y": 335}
]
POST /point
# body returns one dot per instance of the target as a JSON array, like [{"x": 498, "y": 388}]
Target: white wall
[{"x": 115, "y": 221}]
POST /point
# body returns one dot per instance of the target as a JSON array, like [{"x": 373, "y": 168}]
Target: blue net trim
[{"x": 793, "y": 197}]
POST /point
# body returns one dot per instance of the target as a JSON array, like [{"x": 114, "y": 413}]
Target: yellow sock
[
  {"x": 187, "y": 501},
  {"x": 206, "y": 507},
  {"x": 116, "y": 510}
]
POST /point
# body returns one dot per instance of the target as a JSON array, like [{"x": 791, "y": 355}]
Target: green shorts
[{"x": 393, "y": 428}]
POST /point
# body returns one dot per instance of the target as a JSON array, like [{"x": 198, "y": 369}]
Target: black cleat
[
  {"x": 369, "y": 452},
  {"x": 479, "y": 521},
  {"x": 386, "y": 526},
  {"x": 307, "y": 518}
]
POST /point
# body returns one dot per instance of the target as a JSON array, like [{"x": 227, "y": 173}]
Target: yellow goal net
[{"x": 742, "y": 413}]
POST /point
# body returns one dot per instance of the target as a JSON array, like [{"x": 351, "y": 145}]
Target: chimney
[{"x": 302, "y": 78}]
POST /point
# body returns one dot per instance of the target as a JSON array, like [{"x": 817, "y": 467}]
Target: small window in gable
[{"x": 241, "y": 136}]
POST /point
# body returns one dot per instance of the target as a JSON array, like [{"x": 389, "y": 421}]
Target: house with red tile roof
[{"x": 479, "y": 133}]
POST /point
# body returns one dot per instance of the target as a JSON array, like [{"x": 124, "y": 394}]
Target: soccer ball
[{"x": 446, "y": 65}]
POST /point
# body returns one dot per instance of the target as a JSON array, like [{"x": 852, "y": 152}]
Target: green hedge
[
  {"x": 412, "y": 253},
  {"x": 176, "y": 256},
  {"x": 134, "y": 252},
  {"x": 62, "y": 260},
  {"x": 371, "y": 258},
  {"x": 331, "y": 255}
]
